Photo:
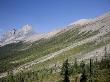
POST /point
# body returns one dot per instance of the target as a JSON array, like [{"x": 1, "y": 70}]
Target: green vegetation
[
  {"x": 94, "y": 71},
  {"x": 13, "y": 55},
  {"x": 70, "y": 54},
  {"x": 56, "y": 69},
  {"x": 65, "y": 71}
]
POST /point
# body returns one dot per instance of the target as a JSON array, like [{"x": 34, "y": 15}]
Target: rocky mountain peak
[
  {"x": 25, "y": 29},
  {"x": 15, "y": 35}
]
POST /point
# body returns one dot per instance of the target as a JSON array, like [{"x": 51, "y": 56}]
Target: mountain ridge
[
  {"x": 74, "y": 41},
  {"x": 19, "y": 35}
]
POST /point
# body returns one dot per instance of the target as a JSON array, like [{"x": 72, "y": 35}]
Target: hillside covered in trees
[{"x": 93, "y": 71}]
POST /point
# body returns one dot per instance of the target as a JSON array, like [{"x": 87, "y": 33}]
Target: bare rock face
[
  {"x": 15, "y": 35},
  {"x": 25, "y": 29}
]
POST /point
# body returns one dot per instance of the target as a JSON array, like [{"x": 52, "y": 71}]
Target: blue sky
[{"x": 46, "y": 15}]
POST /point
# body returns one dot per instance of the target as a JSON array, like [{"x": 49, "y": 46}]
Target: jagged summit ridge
[
  {"x": 15, "y": 35},
  {"x": 25, "y": 29}
]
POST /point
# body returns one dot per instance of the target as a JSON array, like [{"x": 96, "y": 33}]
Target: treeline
[{"x": 93, "y": 70}]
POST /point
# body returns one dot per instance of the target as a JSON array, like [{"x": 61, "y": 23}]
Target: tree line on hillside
[{"x": 94, "y": 71}]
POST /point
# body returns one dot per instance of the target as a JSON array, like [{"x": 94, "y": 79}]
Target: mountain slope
[{"x": 79, "y": 39}]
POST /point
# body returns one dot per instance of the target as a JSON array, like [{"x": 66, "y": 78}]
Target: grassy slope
[
  {"x": 39, "y": 48},
  {"x": 90, "y": 46},
  {"x": 44, "y": 73}
]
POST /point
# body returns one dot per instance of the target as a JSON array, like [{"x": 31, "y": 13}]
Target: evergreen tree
[
  {"x": 83, "y": 77},
  {"x": 82, "y": 66},
  {"x": 65, "y": 71},
  {"x": 75, "y": 66},
  {"x": 90, "y": 70},
  {"x": 106, "y": 58}
]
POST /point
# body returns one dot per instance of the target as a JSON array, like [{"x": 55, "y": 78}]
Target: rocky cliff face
[{"x": 15, "y": 35}]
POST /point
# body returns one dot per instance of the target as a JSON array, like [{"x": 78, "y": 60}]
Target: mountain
[
  {"x": 14, "y": 35},
  {"x": 83, "y": 39},
  {"x": 25, "y": 34}
]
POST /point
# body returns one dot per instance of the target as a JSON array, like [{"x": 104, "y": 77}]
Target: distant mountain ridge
[
  {"x": 25, "y": 34},
  {"x": 14, "y": 35}
]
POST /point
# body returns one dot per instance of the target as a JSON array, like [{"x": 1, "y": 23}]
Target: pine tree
[
  {"x": 83, "y": 71},
  {"x": 106, "y": 58},
  {"x": 65, "y": 71},
  {"x": 82, "y": 66},
  {"x": 75, "y": 66},
  {"x": 90, "y": 70}
]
